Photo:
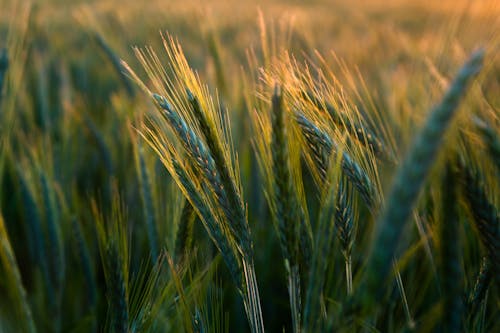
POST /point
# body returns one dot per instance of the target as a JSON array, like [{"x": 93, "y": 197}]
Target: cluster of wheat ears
[
  {"x": 345, "y": 203},
  {"x": 191, "y": 135}
]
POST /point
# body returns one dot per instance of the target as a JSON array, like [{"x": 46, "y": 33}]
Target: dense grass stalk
[
  {"x": 4, "y": 65},
  {"x": 478, "y": 293},
  {"x": 116, "y": 63},
  {"x": 492, "y": 142},
  {"x": 114, "y": 250},
  {"x": 451, "y": 272},
  {"x": 410, "y": 178},
  {"x": 312, "y": 317},
  {"x": 42, "y": 93},
  {"x": 287, "y": 217},
  {"x": 325, "y": 230},
  {"x": 11, "y": 278},
  {"x": 215, "y": 51},
  {"x": 101, "y": 145},
  {"x": 36, "y": 236},
  {"x": 322, "y": 146},
  {"x": 55, "y": 250},
  {"x": 117, "y": 289},
  {"x": 86, "y": 262},
  {"x": 184, "y": 235},
  {"x": 486, "y": 217},
  {"x": 148, "y": 206}
]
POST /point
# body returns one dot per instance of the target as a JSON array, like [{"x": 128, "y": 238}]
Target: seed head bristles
[
  {"x": 410, "y": 178},
  {"x": 361, "y": 133},
  {"x": 322, "y": 146},
  {"x": 181, "y": 301},
  {"x": 486, "y": 217},
  {"x": 11, "y": 277},
  {"x": 200, "y": 155},
  {"x": 478, "y": 293},
  {"x": 251, "y": 298},
  {"x": 148, "y": 289},
  {"x": 451, "y": 273}
]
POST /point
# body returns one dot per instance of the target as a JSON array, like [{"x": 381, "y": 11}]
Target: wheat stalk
[
  {"x": 410, "y": 178},
  {"x": 55, "y": 250},
  {"x": 148, "y": 205},
  {"x": 4, "y": 65},
  {"x": 451, "y": 273},
  {"x": 12, "y": 279},
  {"x": 486, "y": 217},
  {"x": 287, "y": 214},
  {"x": 478, "y": 293},
  {"x": 184, "y": 235},
  {"x": 492, "y": 141},
  {"x": 85, "y": 261}
]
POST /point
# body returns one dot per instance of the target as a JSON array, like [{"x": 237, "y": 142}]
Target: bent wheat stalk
[{"x": 410, "y": 178}]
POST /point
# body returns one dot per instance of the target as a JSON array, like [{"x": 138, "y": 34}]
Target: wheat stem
[
  {"x": 410, "y": 178},
  {"x": 148, "y": 206},
  {"x": 451, "y": 275}
]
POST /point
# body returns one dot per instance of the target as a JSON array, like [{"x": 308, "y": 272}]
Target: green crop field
[{"x": 249, "y": 166}]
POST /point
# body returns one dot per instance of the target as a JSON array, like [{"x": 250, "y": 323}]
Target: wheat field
[{"x": 249, "y": 166}]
